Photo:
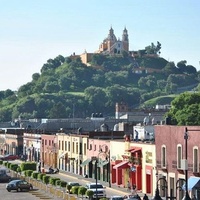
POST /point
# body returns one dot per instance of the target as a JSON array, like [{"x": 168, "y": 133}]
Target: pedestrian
[
  {"x": 194, "y": 197},
  {"x": 138, "y": 197},
  {"x": 39, "y": 167},
  {"x": 128, "y": 186},
  {"x": 134, "y": 189},
  {"x": 145, "y": 197}
]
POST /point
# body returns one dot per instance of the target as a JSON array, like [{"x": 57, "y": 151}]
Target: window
[
  {"x": 69, "y": 146},
  {"x": 72, "y": 147},
  {"x": 62, "y": 145},
  {"x": 179, "y": 156},
  {"x": 85, "y": 146},
  {"x": 195, "y": 160},
  {"x": 65, "y": 145},
  {"x": 163, "y": 157},
  {"x": 76, "y": 147}
]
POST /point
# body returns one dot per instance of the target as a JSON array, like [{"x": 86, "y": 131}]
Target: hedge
[{"x": 53, "y": 180}]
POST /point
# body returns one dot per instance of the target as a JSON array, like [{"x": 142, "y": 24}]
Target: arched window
[
  {"x": 163, "y": 156},
  {"x": 195, "y": 160},
  {"x": 179, "y": 156}
]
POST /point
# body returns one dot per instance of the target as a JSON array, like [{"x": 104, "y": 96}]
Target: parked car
[
  {"x": 10, "y": 157},
  {"x": 98, "y": 189},
  {"x": 74, "y": 184},
  {"x": 18, "y": 185},
  {"x": 117, "y": 198},
  {"x": 4, "y": 177},
  {"x": 133, "y": 197}
]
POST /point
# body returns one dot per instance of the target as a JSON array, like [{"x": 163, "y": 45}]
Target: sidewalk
[{"x": 113, "y": 187}]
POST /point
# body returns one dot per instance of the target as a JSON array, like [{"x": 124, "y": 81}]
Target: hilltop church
[{"x": 110, "y": 46}]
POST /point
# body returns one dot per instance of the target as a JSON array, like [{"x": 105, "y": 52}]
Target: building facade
[{"x": 177, "y": 153}]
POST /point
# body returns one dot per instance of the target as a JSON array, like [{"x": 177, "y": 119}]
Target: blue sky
[{"x": 34, "y": 31}]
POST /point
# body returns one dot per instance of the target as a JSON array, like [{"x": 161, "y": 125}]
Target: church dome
[{"x": 111, "y": 35}]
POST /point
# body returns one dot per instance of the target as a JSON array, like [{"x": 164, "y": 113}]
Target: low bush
[
  {"x": 58, "y": 182},
  {"x": 28, "y": 173},
  {"x": 34, "y": 175},
  {"x": 53, "y": 180},
  {"x": 40, "y": 176},
  {"x": 46, "y": 179}
]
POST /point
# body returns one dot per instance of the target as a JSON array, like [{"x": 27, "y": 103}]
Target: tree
[
  {"x": 96, "y": 97},
  {"x": 82, "y": 190},
  {"x": 170, "y": 68},
  {"x": 185, "y": 109},
  {"x": 90, "y": 194},
  {"x": 75, "y": 190},
  {"x": 69, "y": 187},
  {"x": 35, "y": 76},
  {"x": 57, "y": 111}
]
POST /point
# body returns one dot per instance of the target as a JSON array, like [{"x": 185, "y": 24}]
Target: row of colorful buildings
[{"x": 117, "y": 156}]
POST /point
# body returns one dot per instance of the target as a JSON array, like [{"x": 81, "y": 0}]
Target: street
[
  {"x": 69, "y": 177},
  {"x": 15, "y": 195}
]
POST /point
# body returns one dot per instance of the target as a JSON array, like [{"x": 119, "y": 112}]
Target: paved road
[
  {"x": 5, "y": 195},
  {"x": 69, "y": 177}
]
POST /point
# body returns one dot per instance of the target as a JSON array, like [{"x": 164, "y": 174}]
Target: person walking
[
  {"x": 133, "y": 192},
  {"x": 194, "y": 197},
  {"x": 128, "y": 186},
  {"x": 39, "y": 167},
  {"x": 145, "y": 197}
]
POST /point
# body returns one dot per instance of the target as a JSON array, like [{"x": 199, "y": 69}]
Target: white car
[
  {"x": 98, "y": 189},
  {"x": 117, "y": 198}
]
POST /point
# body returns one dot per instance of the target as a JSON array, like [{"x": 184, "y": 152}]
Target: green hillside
[{"x": 66, "y": 87}]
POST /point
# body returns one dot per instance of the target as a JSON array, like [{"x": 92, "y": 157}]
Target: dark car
[
  {"x": 10, "y": 157},
  {"x": 4, "y": 177},
  {"x": 74, "y": 184},
  {"x": 18, "y": 185}
]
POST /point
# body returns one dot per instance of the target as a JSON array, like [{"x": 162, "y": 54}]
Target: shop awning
[
  {"x": 102, "y": 163},
  {"x": 62, "y": 155},
  {"x": 192, "y": 183},
  {"x": 85, "y": 162},
  {"x": 122, "y": 165},
  {"x": 135, "y": 149}
]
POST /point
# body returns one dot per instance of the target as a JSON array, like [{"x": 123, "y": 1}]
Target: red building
[{"x": 177, "y": 148}]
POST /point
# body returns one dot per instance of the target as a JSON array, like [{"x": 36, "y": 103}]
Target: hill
[{"x": 66, "y": 87}]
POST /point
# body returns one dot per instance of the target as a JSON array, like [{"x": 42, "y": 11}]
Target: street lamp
[
  {"x": 178, "y": 186},
  {"x": 96, "y": 162},
  {"x": 107, "y": 155},
  {"x": 186, "y": 197},
  {"x": 157, "y": 196}
]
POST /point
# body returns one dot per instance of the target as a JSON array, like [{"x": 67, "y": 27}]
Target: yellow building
[{"x": 72, "y": 150}]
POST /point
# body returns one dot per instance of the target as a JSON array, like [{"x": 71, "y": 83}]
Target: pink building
[{"x": 173, "y": 151}]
